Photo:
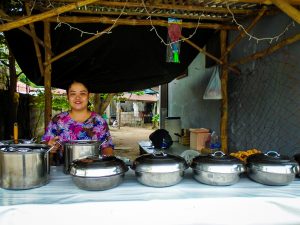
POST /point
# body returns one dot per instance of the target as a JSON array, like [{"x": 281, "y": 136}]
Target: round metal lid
[
  {"x": 218, "y": 162},
  {"x": 271, "y": 157},
  {"x": 81, "y": 142},
  {"x": 159, "y": 162},
  {"x": 272, "y": 162},
  {"x": 98, "y": 167},
  {"x": 25, "y": 148}
]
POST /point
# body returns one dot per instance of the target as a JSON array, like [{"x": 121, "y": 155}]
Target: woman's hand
[
  {"x": 54, "y": 142},
  {"x": 107, "y": 151}
]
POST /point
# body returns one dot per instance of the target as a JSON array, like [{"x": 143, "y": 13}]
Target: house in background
[{"x": 135, "y": 110}]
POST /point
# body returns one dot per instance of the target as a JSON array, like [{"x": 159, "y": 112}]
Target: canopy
[{"x": 130, "y": 58}]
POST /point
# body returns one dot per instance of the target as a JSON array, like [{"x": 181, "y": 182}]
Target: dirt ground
[{"x": 126, "y": 140}]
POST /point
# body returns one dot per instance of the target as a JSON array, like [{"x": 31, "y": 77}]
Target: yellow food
[{"x": 243, "y": 155}]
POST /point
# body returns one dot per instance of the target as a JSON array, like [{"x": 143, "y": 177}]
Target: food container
[
  {"x": 79, "y": 149},
  {"x": 297, "y": 158},
  {"x": 217, "y": 169},
  {"x": 24, "y": 166},
  {"x": 98, "y": 174},
  {"x": 159, "y": 169},
  {"x": 271, "y": 168}
]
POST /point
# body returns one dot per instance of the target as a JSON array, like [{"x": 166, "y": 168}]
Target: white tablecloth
[{"x": 189, "y": 202}]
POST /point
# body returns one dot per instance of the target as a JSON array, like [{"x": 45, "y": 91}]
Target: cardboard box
[{"x": 199, "y": 138}]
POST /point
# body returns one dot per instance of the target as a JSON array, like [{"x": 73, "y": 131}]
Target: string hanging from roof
[{"x": 270, "y": 39}]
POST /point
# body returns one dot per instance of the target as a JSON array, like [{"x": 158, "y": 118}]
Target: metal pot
[
  {"x": 98, "y": 174},
  {"x": 24, "y": 166},
  {"x": 79, "y": 149},
  {"x": 271, "y": 168},
  {"x": 159, "y": 169},
  {"x": 217, "y": 169},
  {"x": 297, "y": 158}
]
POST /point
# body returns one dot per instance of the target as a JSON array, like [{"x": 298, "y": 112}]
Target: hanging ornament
[{"x": 174, "y": 34}]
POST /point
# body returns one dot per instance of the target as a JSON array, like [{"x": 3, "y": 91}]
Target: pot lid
[
  {"x": 218, "y": 162},
  {"x": 81, "y": 142},
  {"x": 98, "y": 167},
  {"x": 297, "y": 157},
  {"x": 159, "y": 162},
  {"x": 24, "y": 148},
  {"x": 272, "y": 162},
  {"x": 271, "y": 157}
]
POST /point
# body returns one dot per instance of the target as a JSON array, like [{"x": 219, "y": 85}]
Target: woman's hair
[{"x": 75, "y": 81}]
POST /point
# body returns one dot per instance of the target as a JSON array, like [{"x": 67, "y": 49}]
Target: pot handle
[
  {"x": 57, "y": 142},
  {"x": 218, "y": 154},
  {"x": 273, "y": 154}
]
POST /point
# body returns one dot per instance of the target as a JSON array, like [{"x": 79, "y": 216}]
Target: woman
[{"x": 79, "y": 123}]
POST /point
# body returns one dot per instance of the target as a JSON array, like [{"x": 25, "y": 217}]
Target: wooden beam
[
  {"x": 262, "y": 2},
  {"x": 47, "y": 75},
  {"x": 135, "y": 22},
  {"x": 288, "y": 9},
  {"x": 224, "y": 102},
  {"x": 45, "y": 15},
  {"x": 36, "y": 46},
  {"x": 210, "y": 55},
  {"x": 267, "y": 51},
  {"x": 72, "y": 49},
  {"x": 243, "y": 34}
]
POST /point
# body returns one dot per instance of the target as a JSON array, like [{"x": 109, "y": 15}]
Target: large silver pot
[
  {"x": 79, "y": 149},
  {"x": 217, "y": 169},
  {"x": 24, "y": 166},
  {"x": 98, "y": 174},
  {"x": 159, "y": 169},
  {"x": 272, "y": 168}
]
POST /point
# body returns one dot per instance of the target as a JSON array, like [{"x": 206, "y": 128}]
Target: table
[{"x": 189, "y": 202}]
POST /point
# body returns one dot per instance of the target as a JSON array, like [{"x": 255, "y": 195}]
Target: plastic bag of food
[{"x": 214, "y": 90}]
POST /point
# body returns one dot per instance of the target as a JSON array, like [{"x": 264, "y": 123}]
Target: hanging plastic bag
[{"x": 213, "y": 89}]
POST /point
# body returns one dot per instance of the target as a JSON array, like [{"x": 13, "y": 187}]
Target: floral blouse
[{"x": 94, "y": 128}]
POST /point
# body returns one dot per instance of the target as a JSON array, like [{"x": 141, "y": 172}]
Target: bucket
[{"x": 173, "y": 125}]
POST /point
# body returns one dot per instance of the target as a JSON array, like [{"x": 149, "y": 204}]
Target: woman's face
[{"x": 78, "y": 97}]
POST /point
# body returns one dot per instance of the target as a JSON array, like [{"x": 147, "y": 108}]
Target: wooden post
[
  {"x": 224, "y": 106},
  {"x": 47, "y": 75}
]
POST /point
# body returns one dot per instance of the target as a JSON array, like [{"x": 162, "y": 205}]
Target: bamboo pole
[
  {"x": 72, "y": 49},
  {"x": 154, "y": 14},
  {"x": 25, "y": 30},
  {"x": 243, "y": 34},
  {"x": 47, "y": 75},
  {"x": 135, "y": 22},
  {"x": 42, "y": 16},
  {"x": 210, "y": 56},
  {"x": 193, "y": 7},
  {"x": 224, "y": 104},
  {"x": 36, "y": 46},
  {"x": 267, "y": 51},
  {"x": 288, "y": 9}
]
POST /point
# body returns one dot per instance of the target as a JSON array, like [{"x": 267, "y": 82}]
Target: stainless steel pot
[
  {"x": 217, "y": 169},
  {"x": 79, "y": 149},
  {"x": 159, "y": 169},
  {"x": 98, "y": 174},
  {"x": 272, "y": 168},
  {"x": 297, "y": 158},
  {"x": 24, "y": 166}
]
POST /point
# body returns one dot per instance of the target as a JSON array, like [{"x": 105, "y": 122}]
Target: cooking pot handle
[
  {"x": 273, "y": 154},
  {"x": 218, "y": 154}
]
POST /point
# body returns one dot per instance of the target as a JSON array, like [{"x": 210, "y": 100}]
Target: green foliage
[
  {"x": 155, "y": 118},
  {"x": 59, "y": 102}
]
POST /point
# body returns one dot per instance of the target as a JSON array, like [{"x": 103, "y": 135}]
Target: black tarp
[{"x": 130, "y": 58}]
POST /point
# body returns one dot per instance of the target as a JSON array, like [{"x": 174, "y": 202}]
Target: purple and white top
[{"x": 63, "y": 126}]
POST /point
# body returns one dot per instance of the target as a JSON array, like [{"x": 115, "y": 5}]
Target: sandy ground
[{"x": 126, "y": 140}]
